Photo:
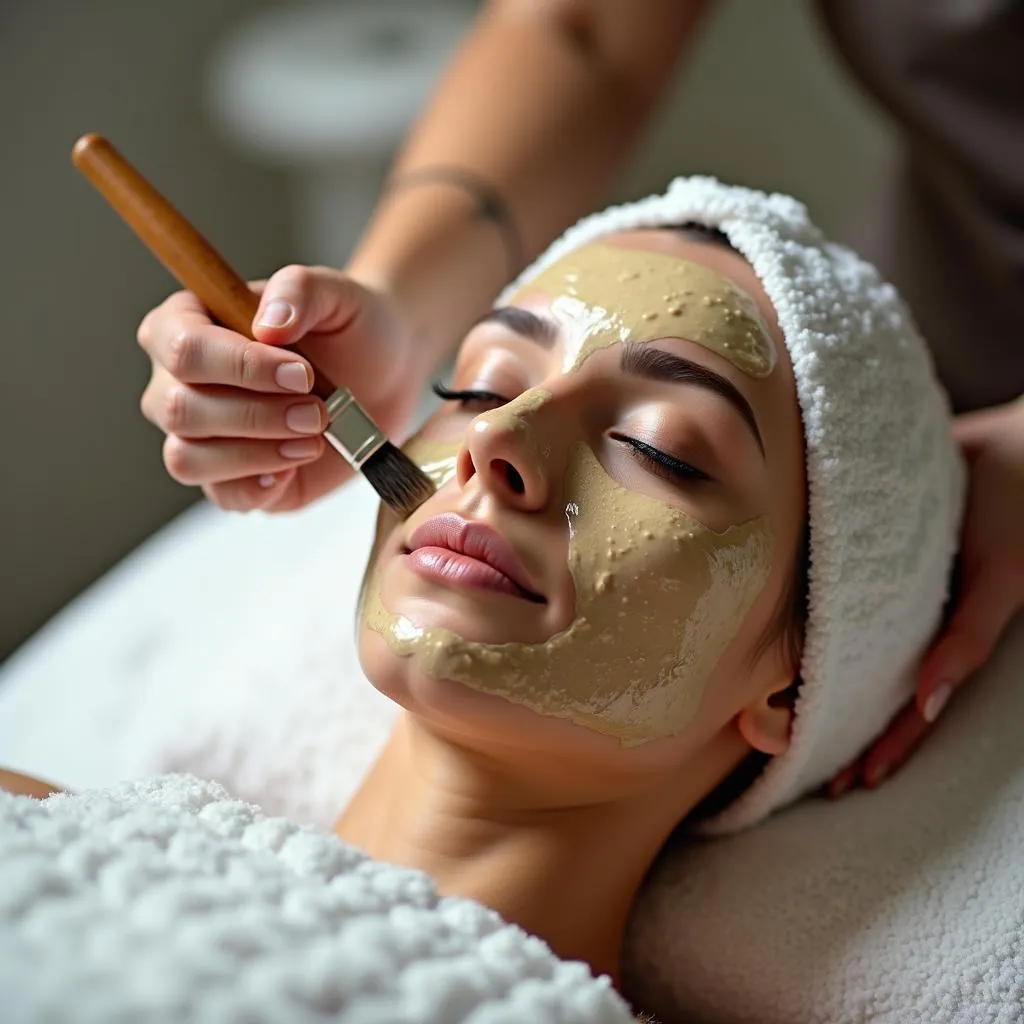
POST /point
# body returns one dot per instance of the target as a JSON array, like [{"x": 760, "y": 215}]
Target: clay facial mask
[
  {"x": 659, "y": 595},
  {"x": 605, "y": 295},
  {"x": 435, "y": 459}
]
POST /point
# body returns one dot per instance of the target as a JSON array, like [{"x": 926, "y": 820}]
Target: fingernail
[
  {"x": 267, "y": 480},
  {"x": 876, "y": 775},
  {"x": 292, "y": 377},
  {"x": 304, "y": 419},
  {"x": 937, "y": 701},
  {"x": 277, "y": 314},
  {"x": 305, "y": 449}
]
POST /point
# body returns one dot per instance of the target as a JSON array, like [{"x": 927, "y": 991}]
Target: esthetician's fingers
[
  {"x": 990, "y": 598},
  {"x": 893, "y": 748},
  {"x": 985, "y": 608},
  {"x": 885, "y": 756},
  {"x": 355, "y": 333},
  {"x": 297, "y": 300},
  {"x": 251, "y": 492},
  {"x": 991, "y": 551},
  {"x": 845, "y": 779},
  {"x": 281, "y": 492},
  {"x": 208, "y": 462},
  {"x": 179, "y": 336},
  {"x": 197, "y": 413}
]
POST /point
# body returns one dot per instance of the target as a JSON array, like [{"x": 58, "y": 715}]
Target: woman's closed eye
[
  {"x": 660, "y": 463},
  {"x": 470, "y": 399}
]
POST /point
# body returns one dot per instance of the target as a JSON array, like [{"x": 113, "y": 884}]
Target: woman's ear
[{"x": 766, "y": 723}]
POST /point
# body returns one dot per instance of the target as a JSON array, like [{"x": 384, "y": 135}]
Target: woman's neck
[{"x": 550, "y": 847}]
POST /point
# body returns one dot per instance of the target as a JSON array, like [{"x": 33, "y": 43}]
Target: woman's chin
[
  {"x": 476, "y": 717},
  {"x": 479, "y": 616}
]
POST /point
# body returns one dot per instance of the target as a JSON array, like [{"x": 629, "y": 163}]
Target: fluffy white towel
[
  {"x": 885, "y": 480},
  {"x": 169, "y": 901},
  {"x": 221, "y": 647},
  {"x": 900, "y": 906}
]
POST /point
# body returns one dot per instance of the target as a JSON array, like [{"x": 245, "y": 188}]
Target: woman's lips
[
  {"x": 460, "y": 571},
  {"x": 463, "y": 553}
]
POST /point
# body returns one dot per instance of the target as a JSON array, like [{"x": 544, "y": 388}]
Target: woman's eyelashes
[
  {"x": 477, "y": 400},
  {"x": 470, "y": 399},
  {"x": 660, "y": 463}
]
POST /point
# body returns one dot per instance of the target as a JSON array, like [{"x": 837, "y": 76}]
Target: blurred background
[{"x": 270, "y": 125}]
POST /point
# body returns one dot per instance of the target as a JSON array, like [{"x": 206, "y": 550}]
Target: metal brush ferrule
[{"x": 350, "y": 430}]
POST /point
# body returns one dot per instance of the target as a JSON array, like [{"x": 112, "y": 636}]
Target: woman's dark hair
[
  {"x": 788, "y": 623},
  {"x": 694, "y": 232}
]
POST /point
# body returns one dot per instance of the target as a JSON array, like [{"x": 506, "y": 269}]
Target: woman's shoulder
[{"x": 26, "y": 785}]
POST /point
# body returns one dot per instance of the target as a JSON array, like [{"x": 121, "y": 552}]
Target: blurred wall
[
  {"x": 81, "y": 477},
  {"x": 761, "y": 102}
]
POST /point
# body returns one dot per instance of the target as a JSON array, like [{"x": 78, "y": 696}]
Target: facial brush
[{"x": 202, "y": 270}]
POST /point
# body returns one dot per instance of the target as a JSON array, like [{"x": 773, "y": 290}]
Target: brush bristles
[{"x": 401, "y": 484}]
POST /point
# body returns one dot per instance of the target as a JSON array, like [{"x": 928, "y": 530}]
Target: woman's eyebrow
[
  {"x": 655, "y": 364},
  {"x": 522, "y": 322}
]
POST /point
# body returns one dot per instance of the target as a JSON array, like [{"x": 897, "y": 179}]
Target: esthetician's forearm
[{"x": 543, "y": 101}]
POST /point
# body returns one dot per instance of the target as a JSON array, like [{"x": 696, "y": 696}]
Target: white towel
[
  {"x": 167, "y": 901},
  {"x": 900, "y": 906},
  {"x": 221, "y": 647}
]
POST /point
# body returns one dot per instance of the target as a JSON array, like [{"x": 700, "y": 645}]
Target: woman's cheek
[{"x": 437, "y": 459}]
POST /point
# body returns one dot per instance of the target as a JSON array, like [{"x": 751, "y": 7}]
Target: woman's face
[{"x": 621, "y": 495}]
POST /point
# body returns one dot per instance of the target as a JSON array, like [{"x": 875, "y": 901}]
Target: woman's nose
[{"x": 506, "y": 451}]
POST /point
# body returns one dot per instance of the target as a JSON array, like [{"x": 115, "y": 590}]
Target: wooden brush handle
[{"x": 173, "y": 240}]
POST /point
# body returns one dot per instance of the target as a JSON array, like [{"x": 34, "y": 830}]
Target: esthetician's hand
[
  {"x": 238, "y": 416},
  {"x": 991, "y": 588}
]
